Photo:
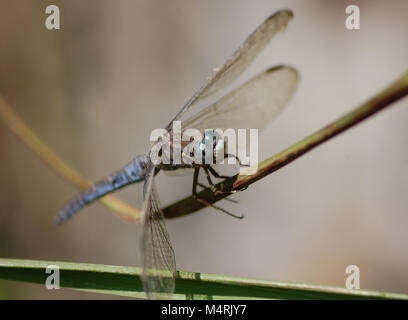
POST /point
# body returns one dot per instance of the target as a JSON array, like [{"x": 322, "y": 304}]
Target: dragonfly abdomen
[{"x": 133, "y": 172}]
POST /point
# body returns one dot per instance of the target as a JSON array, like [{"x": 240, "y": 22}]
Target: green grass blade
[{"x": 126, "y": 281}]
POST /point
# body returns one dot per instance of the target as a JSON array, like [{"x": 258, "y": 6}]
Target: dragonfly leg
[
  {"x": 226, "y": 198},
  {"x": 230, "y": 155},
  {"x": 216, "y": 174},
  {"x": 212, "y": 186},
  {"x": 208, "y": 169},
  {"x": 195, "y": 195}
]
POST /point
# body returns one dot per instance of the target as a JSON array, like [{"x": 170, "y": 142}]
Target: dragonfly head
[{"x": 211, "y": 149}]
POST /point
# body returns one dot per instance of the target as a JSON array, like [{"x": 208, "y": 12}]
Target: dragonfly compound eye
[{"x": 211, "y": 149}]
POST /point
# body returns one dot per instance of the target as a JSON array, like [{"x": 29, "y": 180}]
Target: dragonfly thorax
[{"x": 170, "y": 153}]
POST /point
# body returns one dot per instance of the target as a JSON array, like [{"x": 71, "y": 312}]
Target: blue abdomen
[{"x": 133, "y": 172}]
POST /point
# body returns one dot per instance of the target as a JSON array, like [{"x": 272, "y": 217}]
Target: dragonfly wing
[
  {"x": 241, "y": 59},
  {"x": 179, "y": 172},
  {"x": 158, "y": 259},
  {"x": 252, "y": 105}
]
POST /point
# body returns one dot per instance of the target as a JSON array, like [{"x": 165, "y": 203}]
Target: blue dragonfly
[{"x": 252, "y": 105}]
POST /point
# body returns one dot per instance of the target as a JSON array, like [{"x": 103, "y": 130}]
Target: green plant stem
[{"x": 126, "y": 281}]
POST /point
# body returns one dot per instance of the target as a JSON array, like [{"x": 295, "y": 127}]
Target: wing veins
[{"x": 240, "y": 59}]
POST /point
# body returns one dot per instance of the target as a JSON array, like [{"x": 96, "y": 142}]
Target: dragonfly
[{"x": 252, "y": 105}]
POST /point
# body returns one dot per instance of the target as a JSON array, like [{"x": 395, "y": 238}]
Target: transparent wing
[
  {"x": 241, "y": 59},
  {"x": 252, "y": 105},
  {"x": 158, "y": 259},
  {"x": 179, "y": 172}
]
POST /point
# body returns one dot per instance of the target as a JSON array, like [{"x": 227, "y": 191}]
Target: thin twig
[
  {"x": 16, "y": 125},
  {"x": 385, "y": 98}
]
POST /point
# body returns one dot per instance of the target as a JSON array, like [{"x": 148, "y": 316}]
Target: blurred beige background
[{"x": 118, "y": 69}]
